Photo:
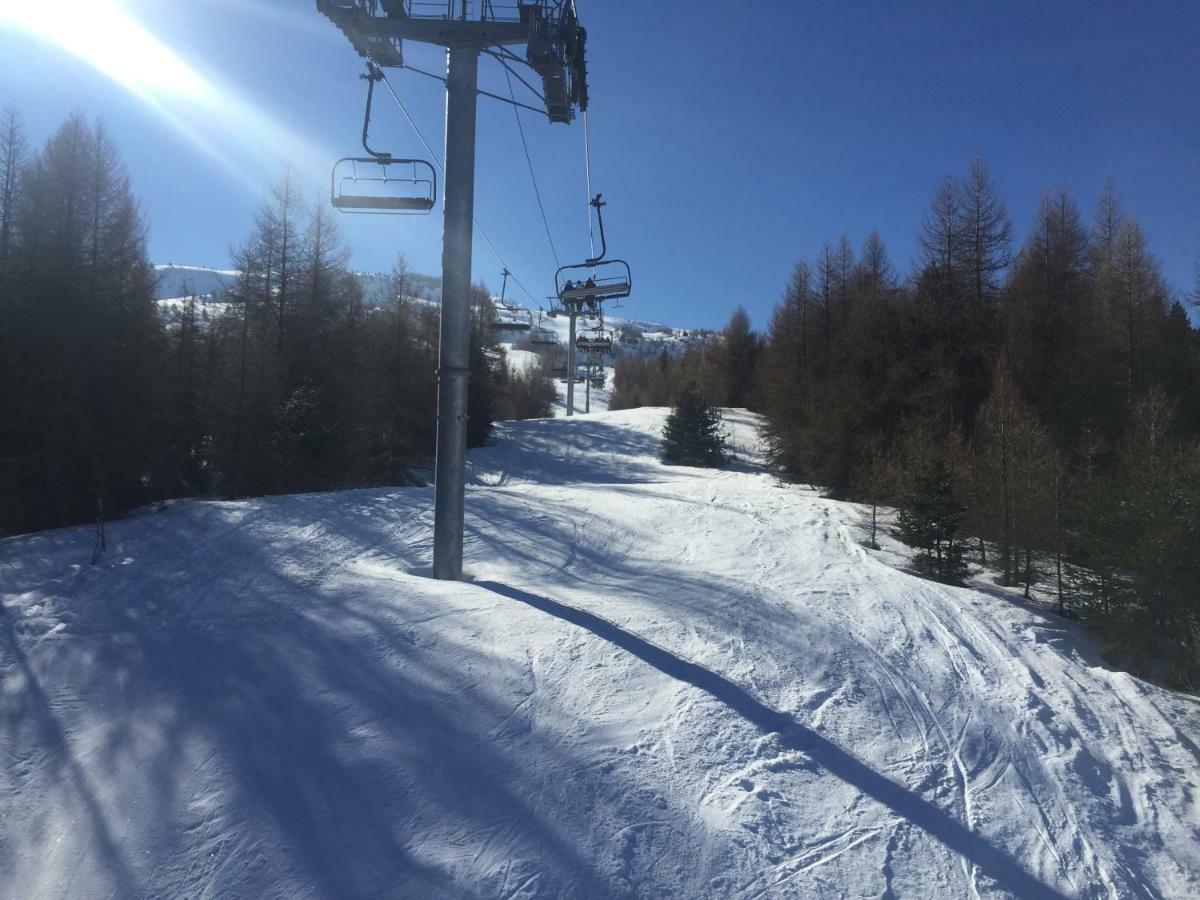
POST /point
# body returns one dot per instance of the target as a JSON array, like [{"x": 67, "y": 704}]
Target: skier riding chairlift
[{"x": 590, "y": 299}]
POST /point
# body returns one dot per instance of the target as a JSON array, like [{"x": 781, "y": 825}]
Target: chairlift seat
[
  {"x": 610, "y": 280},
  {"x": 510, "y": 325},
  {"x": 351, "y": 202},
  {"x": 383, "y": 186},
  {"x": 598, "y": 293},
  {"x": 594, "y": 345}
]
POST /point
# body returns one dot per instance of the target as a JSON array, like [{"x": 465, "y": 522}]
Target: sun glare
[{"x": 105, "y": 35}]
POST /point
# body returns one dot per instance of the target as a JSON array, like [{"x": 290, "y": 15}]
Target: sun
[
  {"x": 217, "y": 119},
  {"x": 105, "y": 35}
]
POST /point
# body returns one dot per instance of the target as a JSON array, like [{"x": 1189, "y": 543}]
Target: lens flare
[
  {"x": 218, "y": 122},
  {"x": 107, "y": 37}
]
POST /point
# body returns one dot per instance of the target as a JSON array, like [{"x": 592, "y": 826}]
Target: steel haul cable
[
  {"x": 437, "y": 162},
  {"x": 532, "y": 176},
  {"x": 587, "y": 167}
]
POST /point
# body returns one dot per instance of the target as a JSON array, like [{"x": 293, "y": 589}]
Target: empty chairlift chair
[
  {"x": 380, "y": 183},
  {"x": 543, "y": 335},
  {"x": 396, "y": 186}
]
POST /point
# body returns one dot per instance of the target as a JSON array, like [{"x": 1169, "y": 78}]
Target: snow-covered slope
[
  {"x": 174, "y": 282},
  {"x": 661, "y": 683}
]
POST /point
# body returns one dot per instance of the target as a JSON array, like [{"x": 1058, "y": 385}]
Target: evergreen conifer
[
  {"x": 930, "y": 520},
  {"x": 693, "y": 436}
]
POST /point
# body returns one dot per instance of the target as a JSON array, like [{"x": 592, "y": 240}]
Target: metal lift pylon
[{"x": 555, "y": 45}]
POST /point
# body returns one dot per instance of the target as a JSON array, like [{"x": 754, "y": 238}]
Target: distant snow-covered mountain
[{"x": 175, "y": 283}]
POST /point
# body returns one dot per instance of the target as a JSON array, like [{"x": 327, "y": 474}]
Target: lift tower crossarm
[{"x": 449, "y": 32}]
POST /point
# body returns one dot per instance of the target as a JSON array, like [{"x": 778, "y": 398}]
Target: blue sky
[{"x": 729, "y": 138}]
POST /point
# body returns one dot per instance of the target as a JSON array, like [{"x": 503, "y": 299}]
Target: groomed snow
[{"x": 661, "y": 683}]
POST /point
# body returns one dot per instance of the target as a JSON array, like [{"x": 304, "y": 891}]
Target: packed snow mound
[{"x": 662, "y": 682}]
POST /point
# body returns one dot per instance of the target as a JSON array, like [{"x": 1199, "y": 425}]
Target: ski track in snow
[{"x": 660, "y": 683}]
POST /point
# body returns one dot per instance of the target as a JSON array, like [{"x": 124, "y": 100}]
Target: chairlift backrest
[{"x": 394, "y": 186}]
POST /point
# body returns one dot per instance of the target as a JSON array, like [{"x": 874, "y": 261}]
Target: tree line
[
  {"x": 288, "y": 381},
  {"x": 1032, "y": 409}
]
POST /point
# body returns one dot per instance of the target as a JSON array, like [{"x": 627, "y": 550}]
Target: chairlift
[
  {"x": 511, "y": 318},
  {"x": 599, "y": 343},
  {"x": 543, "y": 336},
  {"x": 584, "y": 286},
  {"x": 379, "y": 183}
]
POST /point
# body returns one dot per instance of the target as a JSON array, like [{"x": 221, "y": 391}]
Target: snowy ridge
[
  {"x": 661, "y": 683},
  {"x": 175, "y": 282}
]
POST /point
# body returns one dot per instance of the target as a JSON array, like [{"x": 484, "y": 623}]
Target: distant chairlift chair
[
  {"x": 512, "y": 318},
  {"x": 599, "y": 343}
]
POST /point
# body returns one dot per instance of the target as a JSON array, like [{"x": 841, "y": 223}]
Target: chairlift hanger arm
[
  {"x": 599, "y": 204},
  {"x": 373, "y": 75}
]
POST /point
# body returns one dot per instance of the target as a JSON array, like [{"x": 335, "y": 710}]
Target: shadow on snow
[{"x": 994, "y": 862}]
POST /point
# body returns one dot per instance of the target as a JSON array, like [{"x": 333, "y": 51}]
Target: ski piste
[{"x": 658, "y": 682}]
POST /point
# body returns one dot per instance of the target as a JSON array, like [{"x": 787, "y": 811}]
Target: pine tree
[
  {"x": 986, "y": 233},
  {"x": 1144, "y": 528},
  {"x": 930, "y": 519},
  {"x": 12, "y": 161},
  {"x": 693, "y": 434},
  {"x": 1196, "y": 289},
  {"x": 737, "y": 360},
  {"x": 1049, "y": 327},
  {"x": 941, "y": 240},
  {"x": 876, "y": 480},
  {"x": 88, "y": 343},
  {"x": 785, "y": 376},
  {"x": 12, "y": 444},
  {"x": 487, "y": 369},
  {"x": 1142, "y": 303}
]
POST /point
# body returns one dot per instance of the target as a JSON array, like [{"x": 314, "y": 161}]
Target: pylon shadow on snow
[{"x": 996, "y": 864}]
